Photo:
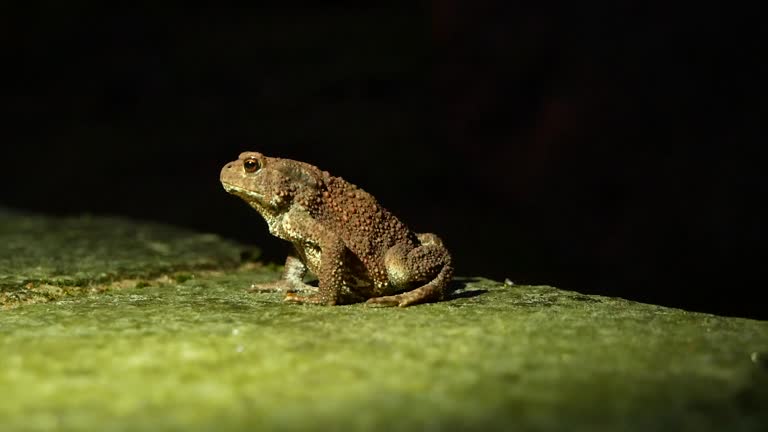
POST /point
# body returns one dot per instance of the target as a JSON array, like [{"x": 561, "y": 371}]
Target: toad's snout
[{"x": 230, "y": 172}]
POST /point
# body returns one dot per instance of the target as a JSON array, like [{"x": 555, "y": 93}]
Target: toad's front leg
[
  {"x": 330, "y": 275},
  {"x": 331, "y": 271}
]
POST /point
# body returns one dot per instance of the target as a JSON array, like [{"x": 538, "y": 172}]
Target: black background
[{"x": 609, "y": 148}]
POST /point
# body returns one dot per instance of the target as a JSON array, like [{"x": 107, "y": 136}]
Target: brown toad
[{"x": 356, "y": 248}]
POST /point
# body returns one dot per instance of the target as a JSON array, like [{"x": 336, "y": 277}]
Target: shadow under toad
[{"x": 457, "y": 289}]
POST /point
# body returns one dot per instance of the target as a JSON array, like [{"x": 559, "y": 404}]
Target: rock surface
[
  {"x": 183, "y": 346},
  {"x": 43, "y": 258}
]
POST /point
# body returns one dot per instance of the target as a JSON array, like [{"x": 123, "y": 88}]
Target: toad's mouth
[
  {"x": 237, "y": 190},
  {"x": 243, "y": 193},
  {"x": 255, "y": 199}
]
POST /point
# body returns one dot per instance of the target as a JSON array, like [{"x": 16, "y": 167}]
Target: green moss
[
  {"x": 206, "y": 354},
  {"x": 182, "y": 277},
  {"x": 81, "y": 253},
  {"x": 201, "y": 353}
]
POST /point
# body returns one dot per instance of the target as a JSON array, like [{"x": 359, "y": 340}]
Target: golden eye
[{"x": 251, "y": 165}]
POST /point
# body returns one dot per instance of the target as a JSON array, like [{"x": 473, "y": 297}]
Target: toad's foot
[
  {"x": 292, "y": 280},
  {"x": 282, "y": 285},
  {"x": 401, "y": 300},
  {"x": 311, "y": 299},
  {"x": 386, "y": 301}
]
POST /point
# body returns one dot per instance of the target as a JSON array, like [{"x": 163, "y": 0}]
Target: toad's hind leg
[
  {"x": 428, "y": 265},
  {"x": 291, "y": 281}
]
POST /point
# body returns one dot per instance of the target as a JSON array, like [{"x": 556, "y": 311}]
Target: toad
[{"x": 357, "y": 249}]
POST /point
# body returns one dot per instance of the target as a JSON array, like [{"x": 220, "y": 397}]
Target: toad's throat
[
  {"x": 237, "y": 190},
  {"x": 255, "y": 199},
  {"x": 269, "y": 211}
]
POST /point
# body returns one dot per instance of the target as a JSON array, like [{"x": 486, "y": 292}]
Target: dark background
[{"x": 611, "y": 148}]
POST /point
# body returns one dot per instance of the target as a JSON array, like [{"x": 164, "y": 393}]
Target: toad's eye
[{"x": 251, "y": 165}]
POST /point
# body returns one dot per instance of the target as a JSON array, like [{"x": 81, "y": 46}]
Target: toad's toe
[{"x": 386, "y": 301}]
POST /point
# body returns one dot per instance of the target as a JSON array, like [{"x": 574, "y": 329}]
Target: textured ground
[{"x": 112, "y": 325}]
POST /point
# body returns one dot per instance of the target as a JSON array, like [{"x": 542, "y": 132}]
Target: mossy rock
[
  {"x": 44, "y": 258},
  {"x": 198, "y": 352}
]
